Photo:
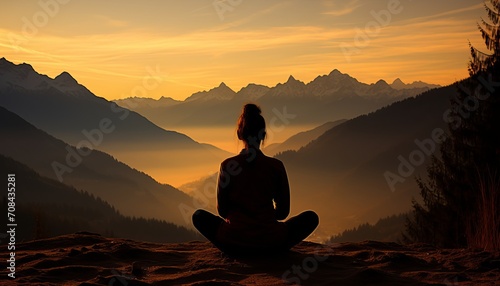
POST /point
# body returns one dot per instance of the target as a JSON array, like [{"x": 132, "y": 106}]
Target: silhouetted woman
[{"x": 253, "y": 196}]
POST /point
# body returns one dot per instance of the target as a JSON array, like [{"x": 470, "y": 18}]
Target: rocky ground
[{"x": 90, "y": 259}]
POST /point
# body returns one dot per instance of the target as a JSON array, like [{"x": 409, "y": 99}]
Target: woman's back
[
  {"x": 250, "y": 185},
  {"x": 253, "y": 185}
]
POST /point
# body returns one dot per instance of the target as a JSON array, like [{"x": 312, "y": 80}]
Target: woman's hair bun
[
  {"x": 251, "y": 124},
  {"x": 251, "y": 109}
]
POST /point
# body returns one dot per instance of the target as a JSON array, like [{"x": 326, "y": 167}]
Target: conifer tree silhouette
[{"x": 461, "y": 196}]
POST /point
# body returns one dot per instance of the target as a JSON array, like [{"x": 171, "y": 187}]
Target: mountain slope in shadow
[
  {"x": 130, "y": 191},
  {"x": 301, "y": 139},
  {"x": 342, "y": 173},
  {"x": 47, "y": 208}
]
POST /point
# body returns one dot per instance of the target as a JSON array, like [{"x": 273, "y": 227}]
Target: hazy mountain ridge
[
  {"x": 399, "y": 84},
  {"x": 346, "y": 164},
  {"x": 300, "y": 140},
  {"x": 252, "y": 91},
  {"x": 47, "y": 208},
  {"x": 222, "y": 92},
  {"x": 327, "y": 98},
  {"x": 67, "y": 110},
  {"x": 205, "y": 188},
  {"x": 138, "y": 102},
  {"x": 131, "y": 192},
  {"x": 21, "y": 82},
  {"x": 387, "y": 229},
  {"x": 324, "y": 85}
]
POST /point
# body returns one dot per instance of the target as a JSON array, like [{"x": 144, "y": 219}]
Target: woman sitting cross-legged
[{"x": 253, "y": 199}]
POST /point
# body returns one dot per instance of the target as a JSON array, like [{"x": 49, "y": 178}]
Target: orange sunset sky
[{"x": 192, "y": 45}]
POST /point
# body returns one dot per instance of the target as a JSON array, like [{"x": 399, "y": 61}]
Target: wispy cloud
[
  {"x": 263, "y": 43},
  {"x": 445, "y": 14},
  {"x": 250, "y": 17},
  {"x": 344, "y": 10}
]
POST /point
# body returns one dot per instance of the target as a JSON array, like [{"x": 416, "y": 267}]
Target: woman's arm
[
  {"x": 282, "y": 196},
  {"x": 222, "y": 193}
]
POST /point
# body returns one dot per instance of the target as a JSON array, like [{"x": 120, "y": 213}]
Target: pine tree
[
  {"x": 463, "y": 182},
  {"x": 489, "y": 31}
]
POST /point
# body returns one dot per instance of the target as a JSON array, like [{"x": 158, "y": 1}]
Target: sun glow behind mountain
[{"x": 175, "y": 48}]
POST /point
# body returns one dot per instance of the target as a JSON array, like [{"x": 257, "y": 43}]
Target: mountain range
[
  {"x": 130, "y": 191},
  {"x": 341, "y": 172},
  {"x": 69, "y": 111},
  {"x": 347, "y": 166},
  {"x": 327, "y": 98},
  {"x": 336, "y": 168}
]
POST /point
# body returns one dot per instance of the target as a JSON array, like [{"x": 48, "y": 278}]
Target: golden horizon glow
[{"x": 190, "y": 46}]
